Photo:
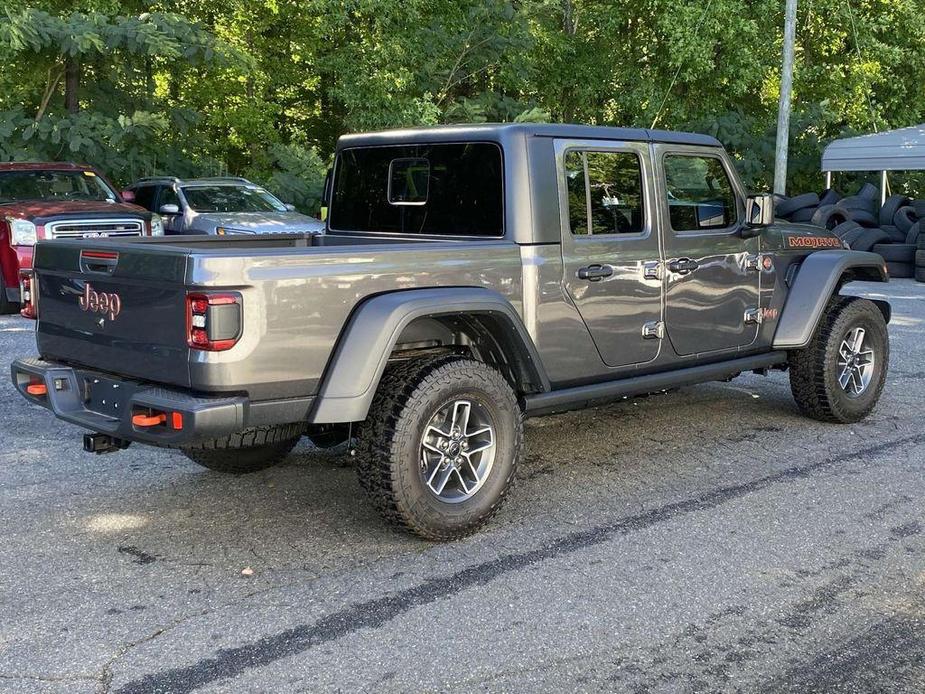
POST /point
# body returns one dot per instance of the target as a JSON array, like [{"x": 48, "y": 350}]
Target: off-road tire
[
  {"x": 389, "y": 444},
  {"x": 898, "y": 270},
  {"x": 845, "y": 228},
  {"x": 869, "y": 191},
  {"x": 905, "y": 218},
  {"x": 253, "y": 449},
  {"x": 804, "y": 216},
  {"x": 865, "y": 219},
  {"x": 889, "y": 208},
  {"x": 895, "y": 234},
  {"x": 785, "y": 208},
  {"x": 829, "y": 216},
  {"x": 855, "y": 202},
  {"x": 814, "y": 371},
  {"x": 868, "y": 239},
  {"x": 896, "y": 252},
  {"x": 829, "y": 196},
  {"x": 912, "y": 236}
]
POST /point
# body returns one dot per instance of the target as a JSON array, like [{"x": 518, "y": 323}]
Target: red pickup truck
[{"x": 56, "y": 201}]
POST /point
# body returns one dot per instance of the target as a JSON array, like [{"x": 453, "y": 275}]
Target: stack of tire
[{"x": 891, "y": 229}]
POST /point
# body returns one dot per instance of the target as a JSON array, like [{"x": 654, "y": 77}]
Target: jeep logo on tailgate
[{"x": 107, "y": 303}]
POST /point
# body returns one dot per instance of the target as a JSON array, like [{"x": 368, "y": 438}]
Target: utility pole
[{"x": 783, "y": 108}]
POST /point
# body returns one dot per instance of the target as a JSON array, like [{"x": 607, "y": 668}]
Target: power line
[
  {"x": 857, "y": 48},
  {"x": 680, "y": 65}
]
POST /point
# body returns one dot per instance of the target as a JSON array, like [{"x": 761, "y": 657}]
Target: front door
[
  {"x": 610, "y": 249},
  {"x": 711, "y": 301}
]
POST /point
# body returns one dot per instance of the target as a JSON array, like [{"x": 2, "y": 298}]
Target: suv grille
[{"x": 94, "y": 228}]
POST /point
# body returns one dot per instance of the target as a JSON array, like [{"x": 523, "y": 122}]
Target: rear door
[
  {"x": 711, "y": 301},
  {"x": 114, "y": 307},
  {"x": 610, "y": 246}
]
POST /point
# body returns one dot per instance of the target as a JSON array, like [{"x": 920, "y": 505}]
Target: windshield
[
  {"x": 19, "y": 186},
  {"x": 225, "y": 198}
]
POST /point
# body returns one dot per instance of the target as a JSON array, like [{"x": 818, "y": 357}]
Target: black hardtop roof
[{"x": 500, "y": 132}]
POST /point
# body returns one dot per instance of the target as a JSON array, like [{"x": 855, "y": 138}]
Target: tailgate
[{"x": 119, "y": 308}]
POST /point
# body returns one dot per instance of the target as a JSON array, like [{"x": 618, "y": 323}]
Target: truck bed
[{"x": 297, "y": 293}]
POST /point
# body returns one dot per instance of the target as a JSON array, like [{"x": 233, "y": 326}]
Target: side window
[
  {"x": 609, "y": 186},
  {"x": 577, "y": 192},
  {"x": 700, "y": 195},
  {"x": 144, "y": 196},
  {"x": 169, "y": 197}
]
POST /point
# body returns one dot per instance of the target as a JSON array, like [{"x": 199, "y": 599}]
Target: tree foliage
[{"x": 263, "y": 88}]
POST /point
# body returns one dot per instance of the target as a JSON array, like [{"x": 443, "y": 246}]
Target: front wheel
[
  {"x": 839, "y": 376},
  {"x": 438, "y": 450}
]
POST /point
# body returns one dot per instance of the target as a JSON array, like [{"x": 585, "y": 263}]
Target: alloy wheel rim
[
  {"x": 856, "y": 362},
  {"x": 458, "y": 450}
]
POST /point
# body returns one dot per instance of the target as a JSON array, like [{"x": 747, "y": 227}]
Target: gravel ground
[{"x": 709, "y": 539}]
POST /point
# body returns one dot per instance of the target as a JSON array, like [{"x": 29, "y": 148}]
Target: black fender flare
[
  {"x": 365, "y": 344},
  {"x": 817, "y": 279}
]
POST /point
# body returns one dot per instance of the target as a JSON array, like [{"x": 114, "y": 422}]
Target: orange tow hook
[
  {"x": 148, "y": 420},
  {"x": 37, "y": 389}
]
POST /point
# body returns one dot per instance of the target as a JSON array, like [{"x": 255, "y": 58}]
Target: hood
[
  {"x": 260, "y": 222},
  {"x": 40, "y": 211}
]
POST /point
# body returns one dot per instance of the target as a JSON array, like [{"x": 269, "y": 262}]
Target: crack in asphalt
[{"x": 379, "y": 611}]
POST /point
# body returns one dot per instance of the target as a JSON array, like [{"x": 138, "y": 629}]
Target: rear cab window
[
  {"x": 433, "y": 189},
  {"x": 700, "y": 193}
]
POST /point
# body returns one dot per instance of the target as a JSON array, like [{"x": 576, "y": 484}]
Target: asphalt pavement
[{"x": 710, "y": 539}]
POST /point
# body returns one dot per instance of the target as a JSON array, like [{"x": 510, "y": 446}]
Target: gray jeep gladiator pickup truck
[{"x": 469, "y": 276}]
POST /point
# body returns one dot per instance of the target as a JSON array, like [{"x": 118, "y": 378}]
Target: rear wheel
[
  {"x": 253, "y": 449},
  {"x": 839, "y": 376},
  {"x": 438, "y": 450}
]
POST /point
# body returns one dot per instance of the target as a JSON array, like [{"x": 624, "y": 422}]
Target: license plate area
[{"x": 106, "y": 396}]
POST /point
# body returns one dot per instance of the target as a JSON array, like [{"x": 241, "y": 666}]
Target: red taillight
[
  {"x": 213, "y": 321},
  {"x": 27, "y": 298}
]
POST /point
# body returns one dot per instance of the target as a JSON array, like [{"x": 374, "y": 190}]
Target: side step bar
[{"x": 579, "y": 397}]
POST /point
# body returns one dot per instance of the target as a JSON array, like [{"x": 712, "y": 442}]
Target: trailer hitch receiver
[{"x": 104, "y": 443}]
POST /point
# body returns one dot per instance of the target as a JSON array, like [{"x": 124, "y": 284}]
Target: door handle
[
  {"x": 683, "y": 266},
  {"x": 595, "y": 273}
]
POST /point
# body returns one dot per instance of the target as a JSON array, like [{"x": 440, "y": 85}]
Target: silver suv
[{"x": 222, "y": 206}]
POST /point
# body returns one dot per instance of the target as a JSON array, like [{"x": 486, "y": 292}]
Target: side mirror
[
  {"x": 170, "y": 208},
  {"x": 759, "y": 210},
  {"x": 128, "y": 196},
  {"x": 290, "y": 207}
]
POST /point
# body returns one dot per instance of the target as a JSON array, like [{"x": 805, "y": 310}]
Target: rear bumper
[{"x": 106, "y": 404}]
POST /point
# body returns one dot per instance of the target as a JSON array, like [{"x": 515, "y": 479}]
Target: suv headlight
[
  {"x": 157, "y": 225},
  {"x": 22, "y": 232}
]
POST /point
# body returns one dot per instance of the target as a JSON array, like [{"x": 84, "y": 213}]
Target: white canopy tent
[{"x": 893, "y": 150}]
